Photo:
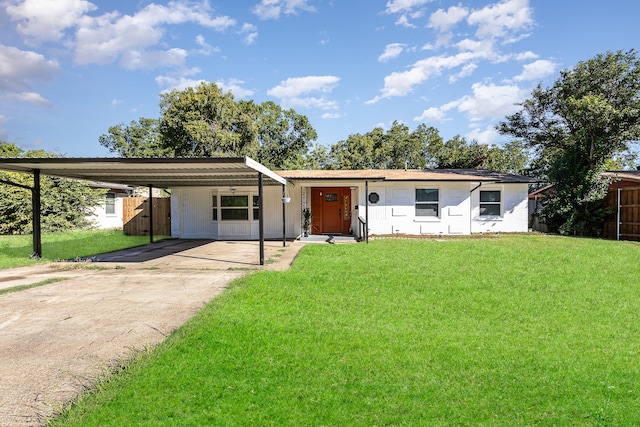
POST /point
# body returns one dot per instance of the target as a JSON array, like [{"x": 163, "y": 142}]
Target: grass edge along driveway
[{"x": 515, "y": 330}]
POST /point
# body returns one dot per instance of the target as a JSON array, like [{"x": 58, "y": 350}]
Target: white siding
[
  {"x": 514, "y": 210},
  {"x": 102, "y": 220},
  {"x": 458, "y": 210},
  {"x": 192, "y": 214}
]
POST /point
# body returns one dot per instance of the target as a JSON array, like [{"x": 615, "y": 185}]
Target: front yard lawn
[
  {"x": 15, "y": 250},
  {"x": 502, "y": 331}
]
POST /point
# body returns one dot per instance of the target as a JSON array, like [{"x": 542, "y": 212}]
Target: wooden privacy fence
[
  {"x": 625, "y": 222},
  {"x": 135, "y": 216}
]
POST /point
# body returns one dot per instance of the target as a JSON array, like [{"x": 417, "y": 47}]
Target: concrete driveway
[{"x": 56, "y": 339}]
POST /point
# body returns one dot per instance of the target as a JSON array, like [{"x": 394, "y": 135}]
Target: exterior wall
[
  {"x": 514, "y": 216},
  {"x": 458, "y": 209},
  {"x": 394, "y": 213},
  {"x": 102, "y": 220},
  {"x": 192, "y": 214}
]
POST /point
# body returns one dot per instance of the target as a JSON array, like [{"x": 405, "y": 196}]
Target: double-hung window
[
  {"x": 234, "y": 208},
  {"x": 110, "y": 204},
  {"x": 427, "y": 202},
  {"x": 490, "y": 203}
]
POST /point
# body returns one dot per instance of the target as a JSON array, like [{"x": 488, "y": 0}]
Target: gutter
[{"x": 471, "y": 206}]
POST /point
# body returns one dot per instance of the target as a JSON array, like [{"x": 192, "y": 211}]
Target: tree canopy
[
  {"x": 206, "y": 122},
  {"x": 576, "y": 128},
  {"x": 66, "y": 203}
]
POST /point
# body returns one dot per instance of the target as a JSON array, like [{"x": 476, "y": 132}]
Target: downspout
[
  {"x": 260, "y": 218},
  {"x": 618, "y": 215},
  {"x": 471, "y": 206},
  {"x": 366, "y": 211},
  {"x": 284, "y": 218}
]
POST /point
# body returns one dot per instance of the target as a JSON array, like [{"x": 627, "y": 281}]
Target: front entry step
[{"x": 331, "y": 239}]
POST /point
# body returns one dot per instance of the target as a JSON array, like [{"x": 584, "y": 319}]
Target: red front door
[{"x": 331, "y": 209}]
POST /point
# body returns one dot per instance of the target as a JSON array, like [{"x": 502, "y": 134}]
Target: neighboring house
[
  {"x": 623, "y": 198},
  {"x": 412, "y": 202},
  {"x": 109, "y": 213}
]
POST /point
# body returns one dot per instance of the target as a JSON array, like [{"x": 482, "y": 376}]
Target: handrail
[{"x": 364, "y": 231}]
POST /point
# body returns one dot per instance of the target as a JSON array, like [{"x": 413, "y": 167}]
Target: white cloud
[
  {"x": 392, "y": 50},
  {"x": 235, "y": 87},
  {"x": 30, "y": 97},
  {"x": 250, "y": 33},
  {"x": 18, "y": 68},
  {"x": 136, "y": 60},
  {"x": 525, "y": 56},
  {"x": 169, "y": 83},
  {"x": 490, "y": 101},
  {"x": 293, "y": 90},
  {"x": 443, "y": 20},
  {"x": 466, "y": 71},
  {"x": 330, "y": 116},
  {"x": 46, "y": 20},
  {"x": 431, "y": 114},
  {"x": 205, "y": 48},
  {"x": 536, "y": 70},
  {"x": 402, "y": 83},
  {"x": 502, "y": 19},
  {"x": 111, "y": 36},
  {"x": 486, "y": 136},
  {"x": 403, "y": 6},
  {"x": 272, "y": 9},
  {"x": 177, "y": 83}
]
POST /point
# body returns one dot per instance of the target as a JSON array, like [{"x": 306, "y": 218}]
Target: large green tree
[
  {"x": 140, "y": 138},
  {"x": 577, "y": 127},
  {"x": 204, "y": 121},
  {"x": 66, "y": 204},
  {"x": 284, "y": 136},
  {"x": 396, "y": 148}
]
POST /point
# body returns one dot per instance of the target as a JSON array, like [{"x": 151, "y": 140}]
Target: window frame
[
  {"x": 220, "y": 211},
  {"x": 110, "y": 203},
  {"x": 427, "y": 202},
  {"x": 491, "y": 203}
]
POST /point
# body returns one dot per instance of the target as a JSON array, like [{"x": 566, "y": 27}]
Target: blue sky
[{"x": 70, "y": 69}]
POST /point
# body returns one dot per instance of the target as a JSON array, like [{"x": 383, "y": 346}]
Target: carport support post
[
  {"x": 35, "y": 218},
  {"x": 260, "y": 218},
  {"x": 284, "y": 223},
  {"x": 150, "y": 214}
]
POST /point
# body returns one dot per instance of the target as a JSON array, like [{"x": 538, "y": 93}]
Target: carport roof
[{"x": 156, "y": 172}]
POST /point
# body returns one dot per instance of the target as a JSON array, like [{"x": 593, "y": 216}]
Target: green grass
[
  {"x": 508, "y": 331},
  {"x": 32, "y": 285},
  {"x": 15, "y": 250}
]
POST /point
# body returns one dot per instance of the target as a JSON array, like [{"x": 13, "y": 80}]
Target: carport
[{"x": 146, "y": 172}]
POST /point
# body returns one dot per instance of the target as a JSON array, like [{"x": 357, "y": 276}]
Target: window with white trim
[
  {"x": 427, "y": 202},
  {"x": 256, "y": 208},
  {"x": 490, "y": 203},
  {"x": 214, "y": 199},
  {"x": 234, "y": 208},
  {"x": 110, "y": 204}
]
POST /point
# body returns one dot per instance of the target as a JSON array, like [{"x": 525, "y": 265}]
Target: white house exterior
[
  {"x": 412, "y": 202},
  {"x": 108, "y": 214}
]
